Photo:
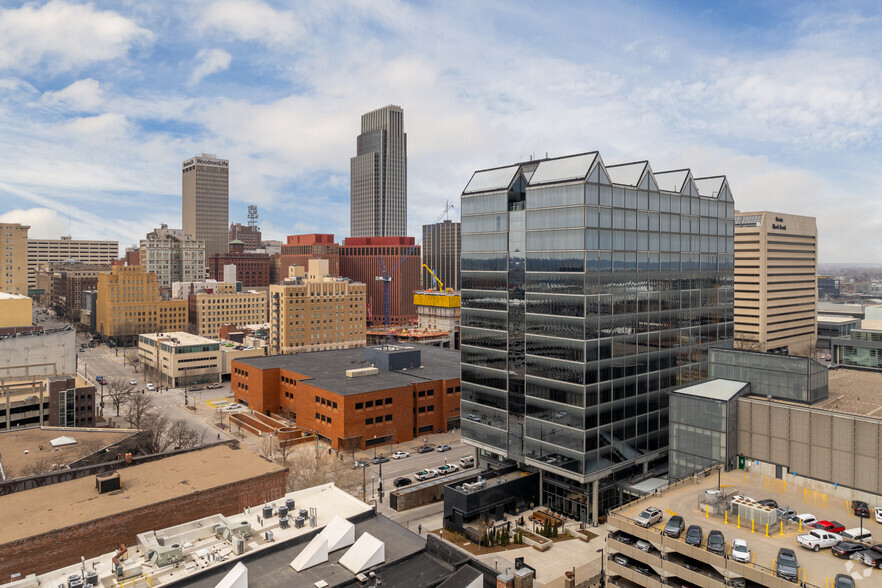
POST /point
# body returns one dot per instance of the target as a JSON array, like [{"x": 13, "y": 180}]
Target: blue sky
[{"x": 101, "y": 101}]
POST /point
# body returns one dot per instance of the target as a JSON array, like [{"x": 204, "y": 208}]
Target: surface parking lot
[{"x": 817, "y": 569}]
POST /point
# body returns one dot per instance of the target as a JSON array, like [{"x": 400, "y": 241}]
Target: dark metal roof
[{"x": 327, "y": 369}]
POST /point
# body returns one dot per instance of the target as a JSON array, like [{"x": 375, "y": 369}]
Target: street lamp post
[{"x": 602, "y": 575}]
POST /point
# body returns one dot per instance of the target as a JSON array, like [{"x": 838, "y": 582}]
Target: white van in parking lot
[{"x": 467, "y": 461}]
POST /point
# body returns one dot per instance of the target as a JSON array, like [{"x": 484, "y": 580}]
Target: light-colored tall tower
[
  {"x": 206, "y": 201},
  {"x": 14, "y": 261},
  {"x": 378, "y": 178},
  {"x": 776, "y": 294}
]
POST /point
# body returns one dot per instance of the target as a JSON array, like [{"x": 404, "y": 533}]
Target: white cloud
[
  {"x": 249, "y": 20},
  {"x": 64, "y": 36},
  {"x": 45, "y": 223},
  {"x": 82, "y": 95},
  {"x": 209, "y": 61}
]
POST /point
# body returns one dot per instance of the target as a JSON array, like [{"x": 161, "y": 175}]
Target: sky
[{"x": 100, "y": 102}]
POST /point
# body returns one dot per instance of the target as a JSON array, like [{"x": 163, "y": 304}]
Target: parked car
[
  {"x": 644, "y": 545},
  {"x": 872, "y": 556},
  {"x": 195, "y": 388},
  {"x": 233, "y": 406},
  {"x": 857, "y": 534},
  {"x": 786, "y": 565},
  {"x": 402, "y": 481},
  {"x": 443, "y": 447},
  {"x": 877, "y": 512},
  {"x": 675, "y": 526},
  {"x": 806, "y": 518},
  {"x": 360, "y": 464},
  {"x": 446, "y": 469},
  {"x": 426, "y": 449},
  {"x": 215, "y": 386},
  {"x": 133, "y": 381},
  {"x": 694, "y": 535},
  {"x": 716, "y": 543},
  {"x": 768, "y": 502},
  {"x": 785, "y": 513},
  {"x": 649, "y": 517},
  {"x": 860, "y": 508},
  {"x": 380, "y": 459},
  {"x": 625, "y": 538},
  {"x": 692, "y": 564},
  {"x": 151, "y": 387},
  {"x": 467, "y": 461},
  {"x": 817, "y": 540},
  {"x": 622, "y": 560},
  {"x": 425, "y": 474},
  {"x": 740, "y": 551},
  {"x": 642, "y": 568},
  {"x": 400, "y": 455},
  {"x": 843, "y": 581},
  {"x": 848, "y": 549},
  {"x": 830, "y": 526}
]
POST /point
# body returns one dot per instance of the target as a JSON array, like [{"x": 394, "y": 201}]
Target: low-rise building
[
  {"x": 356, "y": 398},
  {"x": 208, "y": 312},
  {"x": 313, "y": 311},
  {"x": 56, "y": 401},
  {"x": 830, "y": 327},
  {"x": 439, "y": 311},
  {"x": 862, "y": 348},
  {"x": 129, "y": 303},
  {"x": 62, "y": 285},
  {"x": 180, "y": 359},
  {"x": 181, "y": 290},
  {"x": 16, "y": 310},
  {"x": 38, "y": 352}
]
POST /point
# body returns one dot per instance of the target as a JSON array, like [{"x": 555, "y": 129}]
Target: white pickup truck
[{"x": 817, "y": 540}]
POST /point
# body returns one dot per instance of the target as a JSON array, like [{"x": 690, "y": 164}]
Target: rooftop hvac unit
[
  {"x": 238, "y": 545},
  {"x": 237, "y": 530},
  {"x": 165, "y": 555},
  {"x": 107, "y": 482},
  {"x": 366, "y": 371}
]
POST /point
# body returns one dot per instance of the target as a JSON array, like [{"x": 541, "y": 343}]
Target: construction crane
[
  {"x": 440, "y": 285},
  {"x": 386, "y": 278}
]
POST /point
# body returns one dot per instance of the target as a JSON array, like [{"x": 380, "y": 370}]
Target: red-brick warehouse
[
  {"x": 356, "y": 398},
  {"x": 360, "y": 261}
]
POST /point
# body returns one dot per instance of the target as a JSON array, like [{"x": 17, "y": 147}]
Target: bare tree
[
  {"x": 85, "y": 449},
  {"x": 119, "y": 391},
  {"x": 137, "y": 409},
  {"x": 133, "y": 358},
  {"x": 35, "y": 468},
  {"x": 155, "y": 424},
  {"x": 184, "y": 435},
  {"x": 308, "y": 467},
  {"x": 268, "y": 446}
]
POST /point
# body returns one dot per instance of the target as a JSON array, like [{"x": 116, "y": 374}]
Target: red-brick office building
[{"x": 356, "y": 397}]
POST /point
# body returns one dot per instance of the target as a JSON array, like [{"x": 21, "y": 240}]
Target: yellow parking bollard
[
  {"x": 726, "y": 517},
  {"x": 706, "y": 511},
  {"x": 800, "y": 525},
  {"x": 739, "y": 521},
  {"x": 767, "y": 529},
  {"x": 752, "y": 526},
  {"x": 782, "y": 527}
]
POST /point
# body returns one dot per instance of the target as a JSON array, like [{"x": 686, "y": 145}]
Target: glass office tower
[{"x": 588, "y": 294}]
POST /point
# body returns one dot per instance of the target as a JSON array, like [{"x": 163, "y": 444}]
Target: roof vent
[{"x": 108, "y": 482}]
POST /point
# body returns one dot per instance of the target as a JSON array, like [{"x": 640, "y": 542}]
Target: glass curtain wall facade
[
  {"x": 786, "y": 377},
  {"x": 588, "y": 294}
]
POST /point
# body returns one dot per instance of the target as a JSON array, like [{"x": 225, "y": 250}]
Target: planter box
[{"x": 540, "y": 544}]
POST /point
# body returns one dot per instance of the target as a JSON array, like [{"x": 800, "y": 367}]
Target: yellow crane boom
[{"x": 440, "y": 285}]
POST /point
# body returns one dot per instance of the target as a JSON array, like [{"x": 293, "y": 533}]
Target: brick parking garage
[{"x": 52, "y": 526}]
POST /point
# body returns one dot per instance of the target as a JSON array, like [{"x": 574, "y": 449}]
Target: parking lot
[{"x": 817, "y": 569}]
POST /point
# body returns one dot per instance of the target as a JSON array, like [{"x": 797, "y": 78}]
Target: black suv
[
  {"x": 675, "y": 526},
  {"x": 786, "y": 565},
  {"x": 872, "y": 556},
  {"x": 861, "y": 508},
  {"x": 848, "y": 549},
  {"x": 768, "y": 502},
  {"x": 694, "y": 535},
  {"x": 399, "y": 482},
  {"x": 716, "y": 543}
]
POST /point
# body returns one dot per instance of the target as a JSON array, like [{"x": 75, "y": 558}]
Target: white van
[{"x": 467, "y": 461}]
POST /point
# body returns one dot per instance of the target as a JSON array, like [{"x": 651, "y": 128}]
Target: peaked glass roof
[
  {"x": 627, "y": 174},
  {"x": 565, "y": 168},
  {"x": 671, "y": 181},
  {"x": 491, "y": 179},
  {"x": 710, "y": 187}
]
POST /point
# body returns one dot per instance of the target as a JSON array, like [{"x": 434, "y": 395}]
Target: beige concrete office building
[
  {"x": 129, "y": 304},
  {"x": 44, "y": 252},
  {"x": 206, "y": 201},
  {"x": 312, "y": 311},
  {"x": 15, "y": 311},
  {"x": 180, "y": 359},
  {"x": 14, "y": 262},
  {"x": 776, "y": 294},
  {"x": 174, "y": 256},
  {"x": 209, "y": 311}
]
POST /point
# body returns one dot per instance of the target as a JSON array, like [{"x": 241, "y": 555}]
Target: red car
[{"x": 830, "y": 526}]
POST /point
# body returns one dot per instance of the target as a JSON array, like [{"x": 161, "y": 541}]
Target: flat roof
[
  {"x": 48, "y": 508},
  {"x": 852, "y": 391},
  {"x": 8, "y": 296},
  {"x": 327, "y": 369},
  {"x": 14, "y": 443},
  {"x": 183, "y": 338},
  {"x": 837, "y": 319},
  {"x": 407, "y": 564},
  {"x": 716, "y": 389}
]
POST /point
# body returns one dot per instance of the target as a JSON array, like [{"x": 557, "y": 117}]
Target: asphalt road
[{"x": 408, "y": 466}]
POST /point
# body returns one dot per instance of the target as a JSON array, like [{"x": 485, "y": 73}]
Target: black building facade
[{"x": 589, "y": 292}]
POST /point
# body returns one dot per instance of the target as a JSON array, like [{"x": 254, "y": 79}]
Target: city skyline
[{"x": 101, "y": 102}]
